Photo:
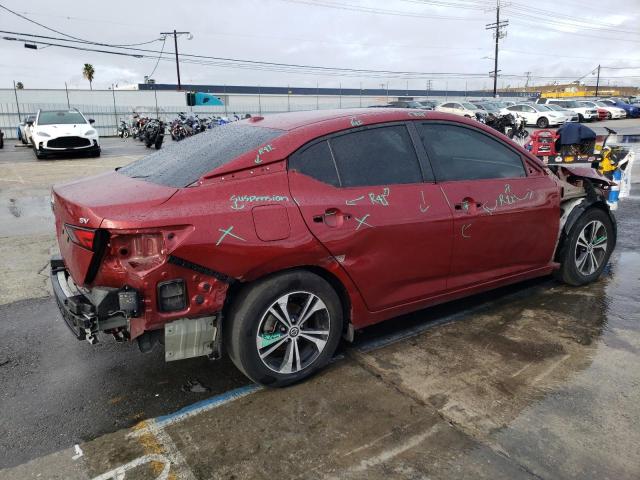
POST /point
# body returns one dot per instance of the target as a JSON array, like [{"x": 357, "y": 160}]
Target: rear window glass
[
  {"x": 60, "y": 118},
  {"x": 179, "y": 164}
]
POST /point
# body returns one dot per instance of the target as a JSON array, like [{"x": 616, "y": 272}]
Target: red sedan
[{"x": 272, "y": 238}]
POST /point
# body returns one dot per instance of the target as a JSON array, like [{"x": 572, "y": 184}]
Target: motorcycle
[
  {"x": 154, "y": 133},
  {"x": 123, "y": 130}
]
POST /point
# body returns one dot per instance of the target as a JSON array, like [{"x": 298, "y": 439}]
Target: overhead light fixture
[{"x": 32, "y": 46}]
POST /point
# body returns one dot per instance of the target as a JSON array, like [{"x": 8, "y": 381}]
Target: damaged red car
[{"x": 271, "y": 238}]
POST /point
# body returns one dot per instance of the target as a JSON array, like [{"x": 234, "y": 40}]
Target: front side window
[
  {"x": 376, "y": 156},
  {"x": 460, "y": 153}
]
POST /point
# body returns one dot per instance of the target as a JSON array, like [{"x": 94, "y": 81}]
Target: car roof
[{"x": 293, "y": 120}]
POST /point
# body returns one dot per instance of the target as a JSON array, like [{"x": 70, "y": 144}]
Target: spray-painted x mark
[
  {"x": 228, "y": 232},
  {"x": 362, "y": 221}
]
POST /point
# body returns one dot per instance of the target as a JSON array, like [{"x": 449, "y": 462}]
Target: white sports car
[{"x": 63, "y": 131}]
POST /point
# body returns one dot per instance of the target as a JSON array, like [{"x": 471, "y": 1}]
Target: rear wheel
[
  {"x": 542, "y": 122},
  {"x": 608, "y": 115},
  {"x": 284, "y": 328},
  {"x": 587, "y": 248},
  {"x": 580, "y": 118}
]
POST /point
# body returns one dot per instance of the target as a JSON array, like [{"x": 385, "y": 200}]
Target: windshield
[
  {"x": 572, "y": 104},
  {"x": 60, "y": 118},
  {"x": 469, "y": 106},
  {"x": 588, "y": 104},
  {"x": 552, "y": 106},
  {"x": 182, "y": 163},
  {"x": 602, "y": 104},
  {"x": 541, "y": 108}
]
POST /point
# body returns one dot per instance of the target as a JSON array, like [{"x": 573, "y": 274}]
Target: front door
[
  {"x": 505, "y": 211},
  {"x": 362, "y": 194}
]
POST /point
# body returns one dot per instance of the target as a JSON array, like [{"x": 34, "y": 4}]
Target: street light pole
[{"x": 175, "y": 43}]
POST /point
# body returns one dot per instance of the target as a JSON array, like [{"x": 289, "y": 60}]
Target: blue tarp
[{"x": 575, "y": 133}]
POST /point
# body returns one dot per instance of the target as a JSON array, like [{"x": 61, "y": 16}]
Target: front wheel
[
  {"x": 587, "y": 248},
  {"x": 542, "y": 122},
  {"x": 284, "y": 328}
]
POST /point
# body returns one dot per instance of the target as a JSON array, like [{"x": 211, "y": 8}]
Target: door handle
[
  {"x": 333, "y": 217},
  {"x": 467, "y": 204}
]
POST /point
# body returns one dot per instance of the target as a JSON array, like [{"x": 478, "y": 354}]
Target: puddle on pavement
[{"x": 26, "y": 215}]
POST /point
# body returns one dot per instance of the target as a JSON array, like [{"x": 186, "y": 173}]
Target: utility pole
[
  {"x": 526, "y": 84},
  {"x": 15, "y": 92},
  {"x": 598, "y": 81},
  {"x": 499, "y": 33},
  {"x": 175, "y": 43}
]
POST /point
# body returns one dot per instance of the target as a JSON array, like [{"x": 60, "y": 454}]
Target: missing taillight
[
  {"x": 81, "y": 236},
  {"x": 139, "y": 252}
]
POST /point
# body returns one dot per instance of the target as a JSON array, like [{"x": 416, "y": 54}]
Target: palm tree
[
  {"x": 88, "y": 72},
  {"x": 20, "y": 86}
]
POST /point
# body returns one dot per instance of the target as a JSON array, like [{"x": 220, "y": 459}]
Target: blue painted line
[{"x": 208, "y": 404}]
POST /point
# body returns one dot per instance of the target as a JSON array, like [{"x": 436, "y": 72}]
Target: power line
[
  {"x": 288, "y": 68},
  {"x": 71, "y": 36},
  {"x": 164, "y": 40}
]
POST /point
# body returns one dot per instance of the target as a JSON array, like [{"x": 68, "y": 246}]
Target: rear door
[
  {"x": 362, "y": 194},
  {"x": 506, "y": 212}
]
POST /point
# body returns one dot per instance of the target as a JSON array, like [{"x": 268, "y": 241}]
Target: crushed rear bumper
[{"x": 87, "y": 314}]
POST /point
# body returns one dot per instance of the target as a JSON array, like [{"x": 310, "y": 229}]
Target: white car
[
  {"x": 24, "y": 130},
  {"x": 63, "y": 131},
  {"x": 538, "y": 115},
  {"x": 584, "y": 113},
  {"x": 570, "y": 114},
  {"x": 612, "y": 111},
  {"x": 464, "y": 109}
]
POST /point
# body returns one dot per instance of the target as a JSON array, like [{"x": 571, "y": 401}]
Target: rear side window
[
  {"x": 316, "y": 161},
  {"x": 182, "y": 163},
  {"x": 461, "y": 153},
  {"x": 376, "y": 156}
]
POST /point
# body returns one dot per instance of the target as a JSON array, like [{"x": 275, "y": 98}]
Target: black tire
[
  {"x": 570, "y": 254},
  {"x": 608, "y": 115},
  {"x": 158, "y": 143},
  {"x": 543, "y": 122},
  {"x": 249, "y": 312},
  {"x": 580, "y": 118}
]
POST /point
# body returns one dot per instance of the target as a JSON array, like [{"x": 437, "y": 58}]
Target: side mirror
[{"x": 92, "y": 121}]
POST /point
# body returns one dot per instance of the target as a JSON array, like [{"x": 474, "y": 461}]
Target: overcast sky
[{"x": 443, "y": 36}]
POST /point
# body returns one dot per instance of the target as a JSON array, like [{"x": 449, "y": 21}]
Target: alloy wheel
[
  {"x": 591, "y": 247},
  {"x": 293, "y": 332}
]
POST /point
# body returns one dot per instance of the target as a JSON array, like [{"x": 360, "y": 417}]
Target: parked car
[
  {"x": 490, "y": 107},
  {"x": 63, "y": 131},
  {"x": 24, "y": 130},
  {"x": 406, "y": 104},
  {"x": 270, "y": 238},
  {"x": 612, "y": 111},
  {"x": 632, "y": 111},
  {"x": 464, "y": 109},
  {"x": 603, "y": 114},
  {"x": 585, "y": 114},
  {"x": 538, "y": 115},
  {"x": 428, "y": 104},
  {"x": 570, "y": 114}
]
